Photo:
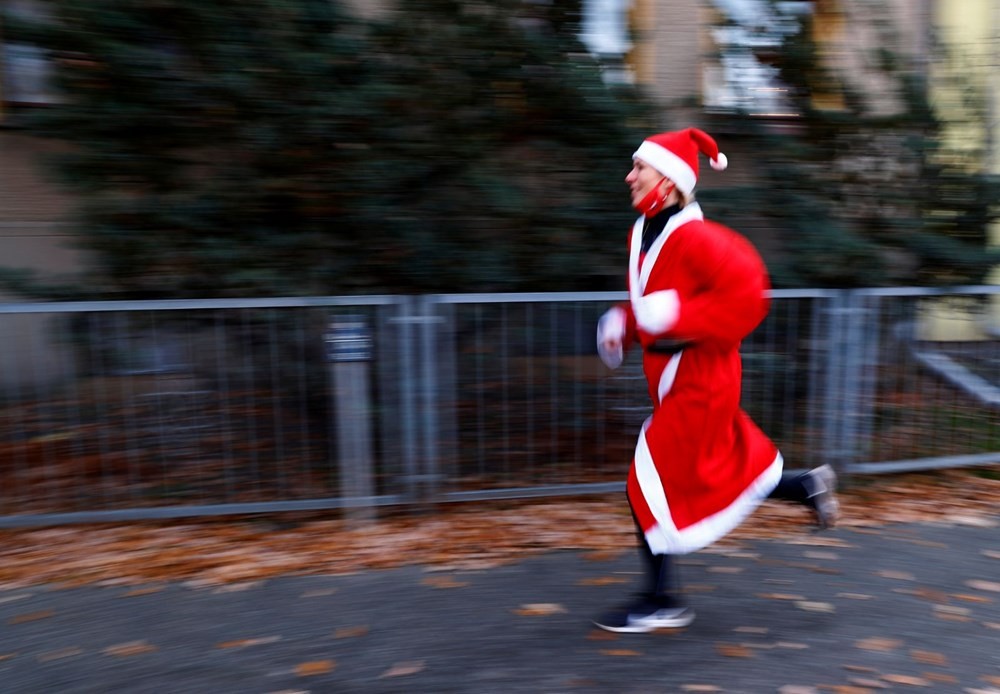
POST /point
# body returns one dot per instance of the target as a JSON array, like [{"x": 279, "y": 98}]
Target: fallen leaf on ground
[
  {"x": 322, "y": 593},
  {"x": 30, "y": 617},
  {"x": 907, "y": 679},
  {"x": 244, "y": 643},
  {"x": 444, "y": 582},
  {"x": 929, "y": 657},
  {"x": 991, "y": 586},
  {"x": 878, "y": 643},
  {"x": 952, "y": 613},
  {"x": 540, "y": 609},
  {"x": 699, "y": 588},
  {"x": 601, "y": 635},
  {"x": 59, "y": 654},
  {"x": 212, "y": 552},
  {"x": 144, "y": 590},
  {"x": 408, "y": 667},
  {"x": 751, "y": 630},
  {"x": 972, "y": 521},
  {"x": 314, "y": 667},
  {"x": 602, "y": 556},
  {"x": 350, "y": 632},
  {"x": 814, "y": 606},
  {"x": 731, "y": 650},
  {"x": 13, "y": 598},
  {"x": 924, "y": 594},
  {"x": 620, "y": 653},
  {"x": 965, "y": 597},
  {"x": 601, "y": 581},
  {"x": 130, "y": 648}
]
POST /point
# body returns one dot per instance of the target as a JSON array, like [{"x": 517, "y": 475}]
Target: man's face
[{"x": 642, "y": 179}]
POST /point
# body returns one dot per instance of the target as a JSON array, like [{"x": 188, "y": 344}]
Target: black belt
[{"x": 667, "y": 346}]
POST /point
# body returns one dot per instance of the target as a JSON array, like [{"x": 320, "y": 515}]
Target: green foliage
[
  {"x": 286, "y": 147},
  {"x": 863, "y": 199}
]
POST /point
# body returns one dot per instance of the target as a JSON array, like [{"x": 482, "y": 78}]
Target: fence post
[
  {"x": 848, "y": 407},
  {"x": 348, "y": 351},
  {"x": 420, "y": 364}
]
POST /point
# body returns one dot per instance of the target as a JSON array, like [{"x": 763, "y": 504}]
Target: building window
[
  {"x": 25, "y": 71},
  {"x": 737, "y": 79},
  {"x": 605, "y": 32}
]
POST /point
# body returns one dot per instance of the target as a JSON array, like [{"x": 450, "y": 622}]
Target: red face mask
[{"x": 655, "y": 199}]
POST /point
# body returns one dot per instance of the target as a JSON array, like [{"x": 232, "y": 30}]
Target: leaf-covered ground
[{"x": 467, "y": 536}]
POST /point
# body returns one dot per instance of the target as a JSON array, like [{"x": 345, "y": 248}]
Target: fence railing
[{"x": 130, "y": 410}]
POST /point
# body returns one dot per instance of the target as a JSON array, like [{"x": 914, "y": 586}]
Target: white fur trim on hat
[
  {"x": 668, "y": 164},
  {"x": 720, "y": 162}
]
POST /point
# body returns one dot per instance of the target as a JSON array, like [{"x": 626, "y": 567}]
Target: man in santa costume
[{"x": 701, "y": 465}]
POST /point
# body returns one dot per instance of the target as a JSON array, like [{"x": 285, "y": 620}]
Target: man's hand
[{"x": 610, "y": 332}]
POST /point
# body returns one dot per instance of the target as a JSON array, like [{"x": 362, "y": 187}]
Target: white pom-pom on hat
[{"x": 675, "y": 155}]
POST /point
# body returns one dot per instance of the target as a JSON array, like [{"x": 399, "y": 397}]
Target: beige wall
[
  {"x": 35, "y": 214},
  {"x": 972, "y": 28},
  {"x": 667, "y": 57},
  {"x": 35, "y": 232}
]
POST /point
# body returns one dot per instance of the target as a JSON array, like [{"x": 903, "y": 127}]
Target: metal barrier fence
[
  {"x": 131, "y": 410},
  {"x": 920, "y": 377}
]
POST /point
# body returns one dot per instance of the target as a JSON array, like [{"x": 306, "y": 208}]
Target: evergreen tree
[
  {"x": 864, "y": 199},
  {"x": 266, "y": 147}
]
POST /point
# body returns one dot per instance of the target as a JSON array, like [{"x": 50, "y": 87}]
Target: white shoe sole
[{"x": 648, "y": 624}]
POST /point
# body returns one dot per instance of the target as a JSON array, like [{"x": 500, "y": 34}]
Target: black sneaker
[
  {"x": 645, "y": 615},
  {"x": 821, "y": 484}
]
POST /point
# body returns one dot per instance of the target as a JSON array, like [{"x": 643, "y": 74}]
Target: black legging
[{"x": 662, "y": 576}]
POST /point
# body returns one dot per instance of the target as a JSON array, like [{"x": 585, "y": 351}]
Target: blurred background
[{"x": 289, "y": 254}]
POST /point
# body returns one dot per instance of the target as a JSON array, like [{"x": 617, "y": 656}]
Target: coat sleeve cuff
[{"x": 658, "y": 312}]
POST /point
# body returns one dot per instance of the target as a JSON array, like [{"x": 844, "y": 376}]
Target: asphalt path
[{"x": 897, "y": 608}]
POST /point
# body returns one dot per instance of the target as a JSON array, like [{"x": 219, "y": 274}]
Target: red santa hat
[{"x": 675, "y": 155}]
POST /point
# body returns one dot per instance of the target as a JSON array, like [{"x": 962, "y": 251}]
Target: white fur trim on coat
[
  {"x": 656, "y": 313},
  {"x": 664, "y": 537},
  {"x": 668, "y": 376},
  {"x": 639, "y": 276}
]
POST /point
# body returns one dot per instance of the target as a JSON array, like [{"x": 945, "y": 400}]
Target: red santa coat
[{"x": 701, "y": 465}]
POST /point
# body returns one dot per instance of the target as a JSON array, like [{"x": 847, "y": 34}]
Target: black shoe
[
  {"x": 645, "y": 615},
  {"x": 821, "y": 483}
]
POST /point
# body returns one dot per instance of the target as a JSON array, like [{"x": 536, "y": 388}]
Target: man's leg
[
  {"x": 663, "y": 581},
  {"x": 816, "y": 488},
  {"x": 659, "y": 606}
]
